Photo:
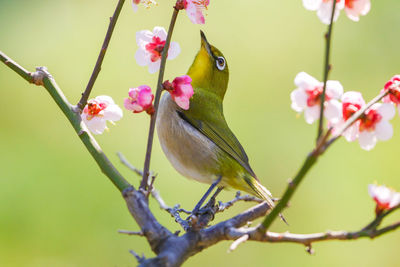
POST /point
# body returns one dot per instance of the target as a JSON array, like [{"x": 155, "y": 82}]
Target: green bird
[{"x": 198, "y": 142}]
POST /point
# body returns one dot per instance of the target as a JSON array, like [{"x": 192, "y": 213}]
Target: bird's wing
[{"x": 222, "y": 136}]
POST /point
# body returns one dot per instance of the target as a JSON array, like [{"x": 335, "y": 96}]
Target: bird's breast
[{"x": 189, "y": 151}]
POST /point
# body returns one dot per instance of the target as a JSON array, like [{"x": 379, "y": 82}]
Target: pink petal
[
  {"x": 145, "y": 96},
  {"x": 360, "y": 7},
  {"x": 133, "y": 106},
  {"x": 367, "y": 140},
  {"x": 195, "y": 15},
  {"x": 183, "y": 102}
]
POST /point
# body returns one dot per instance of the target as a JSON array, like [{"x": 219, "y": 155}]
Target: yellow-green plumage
[{"x": 198, "y": 141}]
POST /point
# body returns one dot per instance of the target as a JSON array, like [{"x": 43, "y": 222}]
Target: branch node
[
  {"x": 39, "y": 75},
  {"x": 309, "y": 249}
]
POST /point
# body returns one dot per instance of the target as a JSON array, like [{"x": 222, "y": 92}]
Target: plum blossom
[
  {"x": 306, "y": 97},
  {"x": 393, "y": 86},
  {"x": 355, "y": 8},
  {"x": 98, "y": 111},
  {"x": 151, "y": 45},
  {"x": 140, "y": 99},
  {"x": 384, "y": 197},
  {"x": 324, "y": 8},
  {"x": 194, "y": 10},
  {"x": 181, "y": 90},
  {"x": 372, "y": 126},
  {"x": 146, "y": 3}
]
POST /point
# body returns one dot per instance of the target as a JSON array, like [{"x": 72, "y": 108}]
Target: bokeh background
[{"x": 56, "y": 207}]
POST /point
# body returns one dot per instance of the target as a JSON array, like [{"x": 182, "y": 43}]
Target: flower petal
[
  {"x": 143, "y": 37},
  {"x": 312, "y": 4},
  {"x": 113, "y": 113},
  {"x": 160, "y": 32},
  {"x": 387, "y": 111},
  {"x": 174, "y": 50},
  {"x": 304, "y": 80},
  {"x": 312, "y": 113},
  {"x": 334, "y": 89},
  {"x": 96, "y": 125},
  {"x": 359, "y": 7},
  {"x": 142, "y": 57},
  {"x": 383, "y": 130},
  {"x": 325, "y": 11},
  {"x": 367, "y": 140},
  {"x": 333, "y": 111},
  {"x": 299, "y": 99},
  {"x": 154, "y": 66},
  {"x": 351, "y": 133}
]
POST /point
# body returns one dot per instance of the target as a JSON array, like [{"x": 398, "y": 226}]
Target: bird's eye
[{"x": 220, "y": 62}]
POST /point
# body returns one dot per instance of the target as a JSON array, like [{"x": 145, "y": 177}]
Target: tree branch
[
  {"x": 97, "y": 67},
  {"x": 15, "y": 67},
  {"x": 43, "y": 77},
  {"x": 327, "y": 68},
  {"x": 146, "y": 168}
]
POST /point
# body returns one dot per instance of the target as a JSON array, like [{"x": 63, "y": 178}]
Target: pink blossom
[
  {"x": 151, "y": 45},
  {"x": 372, "y": 126},
  {"x": 355, "y": 8},
  {"x": 194, "y": 10},
  {"x": 384, "y": 197},
  {"x": 324, "y": 8},
  {"x": 146, "y": 3},
  {"x": 393, "y": 86},
  {"x": 140, "y": 99},
  {"x": 98, "y": 111},
  {"x": 306, "y": 97},
  {"x": 181, "y": 90}
]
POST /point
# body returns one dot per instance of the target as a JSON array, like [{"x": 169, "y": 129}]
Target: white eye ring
[{"x": 220, "y": 62}]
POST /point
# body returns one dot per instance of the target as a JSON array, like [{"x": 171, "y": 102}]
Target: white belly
[{"x": 189, "y": 151}]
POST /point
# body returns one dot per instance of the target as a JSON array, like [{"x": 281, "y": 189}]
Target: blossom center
[
  {"x": 349, "y": 3},
  {"x": 369, "y": 120},
  {"x": 94, "y": 108},
  {"x": 155, "y": 48},
  {"x": 349, "y": 109},
  {"x": 314, "y": 96}
]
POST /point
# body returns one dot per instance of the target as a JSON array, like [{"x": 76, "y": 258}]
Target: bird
[{"x": 198, "y": 142}]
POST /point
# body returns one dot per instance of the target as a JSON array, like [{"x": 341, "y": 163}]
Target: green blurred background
[{"x": 56, "y": 207}]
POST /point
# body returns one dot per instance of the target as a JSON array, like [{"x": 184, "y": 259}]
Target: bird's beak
[{"x": 205, "y": 44}]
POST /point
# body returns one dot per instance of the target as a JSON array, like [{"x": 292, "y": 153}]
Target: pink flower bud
[
  {"x": 140, "y": 99},
  {"x": 181, "y": 90}
]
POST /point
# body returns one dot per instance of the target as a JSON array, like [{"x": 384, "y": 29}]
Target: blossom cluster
[
  {"x": 371, "y": 126},
  {"x": 353, "y": 8},
  {"x": 385, "y": 198}
]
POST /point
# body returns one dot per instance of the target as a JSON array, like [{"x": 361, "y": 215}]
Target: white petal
[
  {"x": 96, "y": 125},
  {"x": 174, "y": 50},
  {"x": 387, "y": 111},
  {"x": 353, "y": 97},
  {"x": 134, "y": 7},
  {"x": 312, "y": 114},
  {"x": 142, "y": 57},
  {"x": 383, "y": 130},
  {"x": 311, "y": 4},
  {"x": 104, "y": 99},
  {"x": 154, "y": 66},
  {"x": 351, "y": 133},
  {"x": 299, "y": 99},
  {"x": 333, "y": 111},
  {"x": 143, "y": 37},
  {"x": 395, "y": 200},
  {"x": 325, "y": 11},
  {"x": 304, "y": 80},
  {"x": 334, "y": 89},
  {"x": 113, "y": 113},
  {"x": 367, "y": 140},
  {"x": 160, "y": 32}
]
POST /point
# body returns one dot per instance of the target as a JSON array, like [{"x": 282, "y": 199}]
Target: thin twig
[
  {"x": 126, "y": 232},
  {"x": 146, "y": 168},
  {"x": 97, "y": 67},
  {"x": 15, "y": 67},
  {"x": 125, "y": 161},
  {"x": 140, "y": 259},
  {"x": 47, "y": 81},
  {"x": 237, "y": 242},
  {"x": 327, "y": 68},
  {"x": 246, "y": 198}
]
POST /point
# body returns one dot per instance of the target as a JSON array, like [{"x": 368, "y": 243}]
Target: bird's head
[{"x": 209, "y": 70}]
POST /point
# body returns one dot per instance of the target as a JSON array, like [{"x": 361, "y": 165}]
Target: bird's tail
[{"x": 262, "y": 192}]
